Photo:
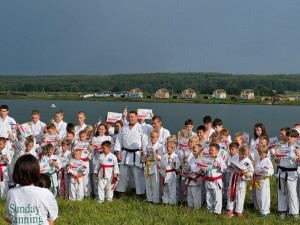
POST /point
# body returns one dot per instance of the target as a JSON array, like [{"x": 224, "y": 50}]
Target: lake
[{"x": 235, "y": 117}]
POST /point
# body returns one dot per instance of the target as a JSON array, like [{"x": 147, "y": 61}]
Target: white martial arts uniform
[
  {"x": 86, "y": 156},
  {"x": 213, "y": 185},
  {"x": 193, "y": 184},
  {"x": 151, "y": 173},
  {"x": 61, "y": 127},
  {"x": 130, "y": 141},
  {"x": 38, "y": 130},
  {"x": 170, "y": 163},
  {"x": 46, "y": 167},
  {"x": 76, "y": 170},
  {"x": 78, "y": 129},
  {"x": 4, "y": 176},
  {"x": 262, "y": 171},
  {"x": 107, "y": 166},
  {"x": 287, "y": 178},
  {"x": 238, "y": 184},
  {"x": 62, "y": 178}
]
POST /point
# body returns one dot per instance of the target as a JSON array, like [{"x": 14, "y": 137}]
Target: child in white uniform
[
  {"x": 262, "y": 171},
  {"x": 213, "y": 180},
  {"x": 170, "y": 163},
  {"x": 242, "y": 170},
  {"x": 5, "y": 160},
  {"x": 76, "y": 170},
  {"x": 151, "y": 173},
  {"x": 108, "y": 170}
]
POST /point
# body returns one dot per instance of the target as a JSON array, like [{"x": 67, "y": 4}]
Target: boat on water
[{"x": 53, "y": 106}]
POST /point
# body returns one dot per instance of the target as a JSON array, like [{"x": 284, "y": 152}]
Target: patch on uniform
[
  {"x": 109, "y": 159},
  {"x": 246, "y": 164}
]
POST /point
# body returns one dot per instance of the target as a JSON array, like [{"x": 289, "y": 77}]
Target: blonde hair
[
  {"x": 262, "y": 149},
  {"x": 183, "y": 134},
  {"x": 215, "y": 135},
  {"x": 171, "y": 138},
  {"x": 194, "y": 139},
  {"x": 154, "y": 133},
  {"x": 239, "y": 135},
  {"x": 198, "y": 147},
  {"x": 244, "y": 149},
  {"x": 172, "y": 144},
  {"x": 89, "y": 128},
  {"x": 224, "y": 132}
]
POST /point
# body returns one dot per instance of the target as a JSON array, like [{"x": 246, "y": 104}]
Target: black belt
[
  {"x": 133, "y": 151},
  {"x": 286, "y": 170}
]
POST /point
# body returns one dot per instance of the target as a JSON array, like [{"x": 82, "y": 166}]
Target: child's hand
[
  {"x": 155, "y": 155},
  {"x": 90, "y": 148},
  {"x": 119, "y": 156},
  {"x": 54, "y": 164},
  {"x": 5, "y": 157},
  {"x": 218, "y": 166},
  {"x": 247, "y": 175}
]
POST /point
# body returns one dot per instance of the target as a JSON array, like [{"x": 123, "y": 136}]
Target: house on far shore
[
  {"x": 135, "y": 93},
  {"x": 283, "y": 97},
  {"x": 247, "y": 94},
  {"x": 219, "y": 93},
  {"x": 188, "y": 93},
  {"x": 162, "y": 93}
]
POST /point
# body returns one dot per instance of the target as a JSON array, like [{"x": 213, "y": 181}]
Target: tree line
[{"x": 204, "y": 83}]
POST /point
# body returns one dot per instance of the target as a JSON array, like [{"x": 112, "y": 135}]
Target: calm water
[{"x": 235, "y": 117}]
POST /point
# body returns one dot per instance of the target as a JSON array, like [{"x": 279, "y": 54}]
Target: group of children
[{"x": 194, "y": 168}]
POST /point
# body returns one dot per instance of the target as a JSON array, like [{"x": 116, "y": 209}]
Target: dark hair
[
  {"x": 201, "y": 127},
  {"x": 234, "y": 144},
  {"x": 45, "y": 181},
  {"x": 217, "y": 122},
  {"x": 3, "y": 139},
  {"x": 134, "y": 112},
  {"x": 207, "y": 119},
  {"x": 156, "y": 117},
  {"x": 71, "y": 132},
  {"x": 214, "y": 145},
  {"x": 286, "y": 129},
  {"x": 292, "y": 133},
  {"x": 35, "y": 112},
  {"x": 97, "y": 132},
  {"x": 49, "y": 147},
  {"x": 70, "y": 127},
  {"x": 4, "y": 107},
  {"x": 106, "y": 144},
  {"x": 27, "y": 170},
  {"x": 189, "y": 122},
  {"x": 263, "y": 130}
]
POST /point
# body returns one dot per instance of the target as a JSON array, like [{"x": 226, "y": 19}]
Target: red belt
[
  {"x": 105, "y": 166},
  {"x": 1, "y": 172},
  {"x": 63, "y": 183},
  {"x": 163, "y": 178},
  {"x": 85, "y": 159},
  {"x": 235, "y": 176},
  {"x": 189, "y": 181},
  {"x": 211, "y": 178}
]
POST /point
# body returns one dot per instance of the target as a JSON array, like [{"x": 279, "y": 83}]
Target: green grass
[{"x": 129, "y": 211}]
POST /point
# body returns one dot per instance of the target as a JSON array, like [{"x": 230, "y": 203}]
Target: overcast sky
[{"x": 133, "y": 36}]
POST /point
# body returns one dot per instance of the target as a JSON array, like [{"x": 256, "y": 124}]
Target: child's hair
[
  {"x": 51, "y": 126},
  {"x": 119, "y": 122},
  {"x": 89, "y": 128},
  {"x": 234, "y": 144},
  {"x": 77, "y": 150},
  {"x": 244, "y": 149},
  {"x": 207, "y": 119},
  {"x": 4, "y": 107},
  {"x": 183, "y": 133},
  {"x": 297, "y": 125},
  {"x": 65, "y": 142},
  {"x": 71, "y": 132},
  {"x": 217, "y": 122},
  {"x": 224, "y": 132},
  {"x": 264, "y": 138},
  {"x": 201, "y": 127},
  {"x": 262, "y": 149},
  {"x": 172, "y": 144},
  {"x": 106, "y": 144},
  {"x": 214, "y": 145},
  {"x": 45, "y": 181},
  {"x": 292, "y": 133},
  {"x": 29, "y": 141},
  {"x": 238, "y": 135},
  {"x": 2, "y": 139},
  {"x": 215, "y": 136},
  {"x": 154, "y": 133},
  {"x": 194, "y": 139},
  {"x": 198, "y": 147},
  {"x": 106, "y": 128},
  {"x": 82, "y": 132},
  {"x": 49, "y": 147},
  {"x": 60, "y": 112},
  {"x": 263, "y": 130},
  {"x": 171, "y": 138},
  {"x": 189, "y": 122},
  {"x": 70, "y": 127},
  {"x": 35, "y": 112},
  {"x": 81, "y": 113}
]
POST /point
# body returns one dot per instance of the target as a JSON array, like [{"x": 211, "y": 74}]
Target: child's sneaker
[
  {"x": 263, "y": 215},
  {"x": 295, "y": 216},
  {"x": 230, "y": 213},
  {"x": 239, "y": 214},
  {"x": 282, "y": 215}
]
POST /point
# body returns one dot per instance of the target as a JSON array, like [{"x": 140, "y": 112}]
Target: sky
[{"x": 39, "y": 37}]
